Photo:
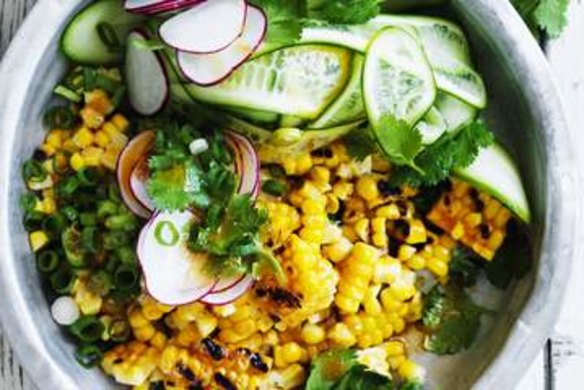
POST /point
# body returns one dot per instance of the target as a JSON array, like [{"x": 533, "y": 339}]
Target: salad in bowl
[{"x": 270, "y": 194}]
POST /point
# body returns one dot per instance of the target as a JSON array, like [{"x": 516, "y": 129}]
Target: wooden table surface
[{"x": 561, "y": 363}]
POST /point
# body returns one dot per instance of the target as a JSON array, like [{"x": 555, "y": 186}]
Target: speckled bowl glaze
[{"x": 524, "y": 109}]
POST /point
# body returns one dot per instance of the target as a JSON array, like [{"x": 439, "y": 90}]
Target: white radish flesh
[
  {"x": 135, "y": 152},
  {"x": 173, "y": 274},
  {"x": 247, "y": 163},
  {"x": 146, "y": 76},
  {"x": 138, "y": 180},
  {"x": 210, "y": 69},
  {"x": 231, "y": 294},
  {"x": 205, "y": 28}
]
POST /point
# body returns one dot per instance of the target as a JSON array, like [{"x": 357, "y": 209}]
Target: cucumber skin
[{"x": 68, "y": 39}]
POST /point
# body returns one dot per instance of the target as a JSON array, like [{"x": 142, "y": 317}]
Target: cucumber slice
[
  {"x": 461, "y": 81},
  {"x": 256, "y": 116},
  {"x": 291, "y": 121},
  {"x": 432, "y": 126},
  {"x": 81, "y": 41},
  {"x": 397, "y": 79},
  {"x": 349, "y": 106},
  {"x": 299, "y": 81},
  {"x": 494, "y": 172},
  {"x": 456, "y": 112}
]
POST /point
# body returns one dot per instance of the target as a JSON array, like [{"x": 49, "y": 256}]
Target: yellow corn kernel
[
  {"x": 473, "y": 219},
  {"x": 137, "y": 319},
  {"x": 118, "y": 141},
  {"x": 225, "y": 310},
  {"x": 83, "y": 137},
  {"x": 412, "y": 371},
  {"x": 101, "y": 139},
  {"x": 361, "y": 228},
  {"x": 99, "y": 101},
  {"x": 437, "y": 266},
  {"x": 158, "y": 340},
  {"x": 406, "y": 252},
  {"x": 343, "y": 190},
  {"x": 291, "y": 377},
  {"x": 395, "y": 348},
  {"x": 70, "y": 146},
  {"x": 206, "y": 324},
  {"x": 416, "y": 262},
  {"x": 341, "y": 335},
  {"x": 458, "y": 231},
  {"x": 312, "y": 333},
  {"x": 48, "y": 149},
  {"x": 109, "y": 159},
  {"x": 370, "y": 302},
  {"x": 396, "y": 361},
  {"x": 144, "y": 333},
  {"x": 77, "y": 162},
  {"x": 387, "y": 270},
  {"x": 338, "y": 251},
  {"x": 418, "y": 232},
  {"x": 110, "y": 129},
  {"x": 390, "y": 211},
  {"x": 496, "y": 240},
  {"x": 292, "y": 352},
  {"x": 303, "y": 163},
  {"x": 91, "y": 117},
  {"x": 38, "y": 239},
  {"x": 120, "y": 122},
  {"x": 320, "y": 174},
  {"x": 88, "y": 302},
  {"x": 92, "y": 156},
  {"x": 367, "y": 187},
  {"x": 55, "y": 139}
]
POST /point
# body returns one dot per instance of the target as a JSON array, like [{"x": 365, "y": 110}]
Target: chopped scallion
[
  {"x": 47, "y": 261},
  {"x": 88, "y": 356},
  {"x": 62, "y": 281},
  {"x": 67, "y": 93},
  {"x": 59, "y": 117},
  {"x": 166, "y": 233},
  {"x": 274, "y": 187},
  {"x": 126, "y": 278},
  {"x": 88, "y": 329}
]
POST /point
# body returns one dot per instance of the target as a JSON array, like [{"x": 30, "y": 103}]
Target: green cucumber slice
[
  {"x": 456, "y": 112},
  {"x": 495, "y": 172},
  {"x": 256, "y": 116},
  {"x": 349, "y": 106},
  {"x": 291, "y": 121},
  {"x": 397, "y": 79},
  {"x": 299, "y": 81},
  {"x": 461, "y": 81},
  {"x": 431, "y": 126},
  {"x": 81, "y": 41}
]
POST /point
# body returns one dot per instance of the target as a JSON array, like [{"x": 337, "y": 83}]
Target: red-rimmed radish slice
[
  {"x": 136, "y": 150},
  {"x": 229, "y": 295},
  {"x": 247, "y": 163},
  {"x": 138, "y": 180},
  {"x": 145, "y": 76},
  {"x": 210, "y": 69},
  {"x": 173, "y": 275},
  {"x": 225, "y": 283},
  {"x": 151, "y": 7},
  {"x": 206, "y": 28}
]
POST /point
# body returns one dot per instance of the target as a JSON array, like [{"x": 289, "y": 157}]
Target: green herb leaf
[
  {"x": 176, "y": 188},
  {"x": 452, "y": 320},
  {"x": 347, "y": 11},
  {"x": 329, "y": 367},
  {"x": 284, "y": 17},
  {"x": 551, "y": 16},
  {"x": 361, "y": 143},
  {"x": 465, "y": 266},
  {"x": 437, "y": 160},
  {"x": 399, "y": 141},
  {"x": 513, "y": 260}
]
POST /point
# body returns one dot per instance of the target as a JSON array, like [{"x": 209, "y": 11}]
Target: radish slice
[
  {"x": 151, "y": 7},
  {"x": 225, "y": 283},
  {"x": 173, "y": 274},
  {"x": 146, "y": 76},
  {"x": 206, "y": 28},
  {"x": 129, "y": 158},
  {"x": 138, "y": 180},
  {"x": 229, "y": 295},
  {"x": 247, "y": 163},
  {"x": 210, "y": 69}
]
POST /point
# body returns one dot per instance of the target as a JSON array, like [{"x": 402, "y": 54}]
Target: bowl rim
[{"x": 531, "y": 328}]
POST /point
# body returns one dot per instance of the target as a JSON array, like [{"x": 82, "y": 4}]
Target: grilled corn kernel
[
  {"x": 92, "y": 118},
  {"x": 367, "y": 188},
  {"x": 390, "y": 211},
  {"x": 99, "y": 101},
  {"x": 361, "y": 228},
  {"x": 38, "y": 239},
  {"x": 55, "y": 139},
  {"x": 110, "y": 129},
  {"x": 412, "y": 371},
  {"x": 341, "y": 335},
  {"x": 338, "y": 251},
  {"x": 101, "y": 139},
  {"x": 395, "y": 348},
  {"x": 83, "y": 137},
  {"x": 92, "y": 156},
  {"x": 312, "y": 333},
  {"x": 120, "y": 122}
]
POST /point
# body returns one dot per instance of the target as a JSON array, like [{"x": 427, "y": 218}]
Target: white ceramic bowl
[{"x": 524, "y": 109}]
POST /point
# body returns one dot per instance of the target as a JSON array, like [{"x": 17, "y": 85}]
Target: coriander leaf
[
  {"x": 513, "y": 260},
  {"x": 453, "y": 320},
  {"x": 411, "y": 386},
  {"x": 437, "y": 160},
  {"x": 361, "y": 378},
  {"x": 284, "y": 20},
  {"x": 347, "y": 11},
  {"x": 465, "y": 266},
  {"x": 176, "y": 188},
  {"x": 551, "y": 16},
  {"x": 398, "y": 140},
  {"x": 360, "y": 143},
  {"x": 329, "y": 367}
]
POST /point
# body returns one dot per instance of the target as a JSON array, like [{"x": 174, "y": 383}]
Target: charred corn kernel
[
  {"x": 38, "y": 239},
  {"x": 341, "y": 335},
  {"x": 158, "y": 340},
  {"x": 416, "y": 262},
  {"x": 206, "y": 324},
  {"x": 92, "y": 118},
  {"x": 406, "y": 252},
  {"x": 361, "y": 228},
  {"x": 417, "y": 232},
  {"x": 70, "y": 146},
  {"x": 458, "y": 231},
  {"x": 99, "y": 101},
  {"x": 130, "y": 364},
  {"x": 110, "y": 129},
  {"x": 473, "y": 219},
  {"x": 367, "y": 188},
  {"x": 92, "y": 156},
  {"x": 55, "y": 139},
  {"x": 411, "y": 371},
  {"x": 101, "y": 139},
  {"x": 496, "y": 239},
  {"x": 380, "y": 164},
  {"x": 395, "y": 348},
  {"x": 338, "y": 251},
  {"x": 144, "y": 333},
  {"x": 120, "y": 122},
  {"x": 343, "y": 190},
  {"x": 312, "y": 333},
  {"x": 356, "y": 273},
  {"x": 77, "y": 162},
  {"x": 153, "y": 310},
  {"x": 83, "y": 137},
  {"x": 387, "y": 270},
  {"x": 390, "y": 211}
]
